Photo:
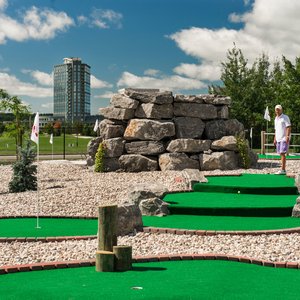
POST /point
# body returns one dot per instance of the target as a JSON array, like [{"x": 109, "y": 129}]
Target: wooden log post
[
  {"x": 123, "y": 258},
  {"x": 105, "y": 261},
  {"x": 107, "y": 227}
]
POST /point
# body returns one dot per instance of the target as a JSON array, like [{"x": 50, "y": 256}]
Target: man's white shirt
[{"x": 281, "y": 123}]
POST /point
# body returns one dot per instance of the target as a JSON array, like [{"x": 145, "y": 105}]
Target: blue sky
[{"x": 169, "y": 44}]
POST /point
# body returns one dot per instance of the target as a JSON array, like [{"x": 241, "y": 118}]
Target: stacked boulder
[{"x": 148, "y": 130}]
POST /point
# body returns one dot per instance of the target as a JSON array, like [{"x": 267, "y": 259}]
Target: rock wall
[{"x": 148, "y": 130}]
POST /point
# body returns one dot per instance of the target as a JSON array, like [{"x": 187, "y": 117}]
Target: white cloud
[
  {"x": 42, "y": 77},
  {"x": 173, "y": 83},
  {"x": 106, "y": 18},
  {"x": 152, "y": 72},
  {"x": 105, "y": 95},
  {"x": 82, "y": 19},
  {"x": 37, "y": 24},
  {"x": 48, "y": 105},
  {"x": 14, "y": 86},
  {"x": 273, "y": 29},
  {"x": 99, "y": 84},
  {"x": 3, "y": 4},
  {"x": 204, "y": 71}
]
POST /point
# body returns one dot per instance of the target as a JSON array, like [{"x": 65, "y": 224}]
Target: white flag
[
  {"x": 251, "y": 132},
  {"x": 35, "y": 129},
  {"x": 267, "y": 115},
  {"x": 96, "y": 125},
  {"x": 51, "y": 138}
]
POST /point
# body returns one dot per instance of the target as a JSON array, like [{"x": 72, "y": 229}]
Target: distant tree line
[{"x": 254, "y": 86}]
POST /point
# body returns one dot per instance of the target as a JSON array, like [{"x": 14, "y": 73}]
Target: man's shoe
[{"x": 281, "y": 172}]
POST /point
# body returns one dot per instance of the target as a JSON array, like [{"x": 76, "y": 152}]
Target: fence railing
[{"x": 265, "y": 141}]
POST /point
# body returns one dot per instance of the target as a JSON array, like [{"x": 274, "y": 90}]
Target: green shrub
[
  {"x": 99, "y": 159},
  {"x": 24, "y": 172},
  {"x": 243, "y": 149}
]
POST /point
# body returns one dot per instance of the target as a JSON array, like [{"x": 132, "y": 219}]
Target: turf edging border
[
  {"x": 159, "y": 230},
  {"x": 221, "y": 232},
  {"x": 144, "y": 259}
]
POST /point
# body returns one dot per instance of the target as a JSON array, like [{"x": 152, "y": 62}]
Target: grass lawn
[{"x": 74, "y": 145}]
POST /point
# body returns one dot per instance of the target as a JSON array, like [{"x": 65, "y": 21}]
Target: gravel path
[{"x": 72, "y": 189}]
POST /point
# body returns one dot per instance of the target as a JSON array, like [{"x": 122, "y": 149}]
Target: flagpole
[
  {"x": 38, "y": 192},
  {"x": 251, "y": 137}
]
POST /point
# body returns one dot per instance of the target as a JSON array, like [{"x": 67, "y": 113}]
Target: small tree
[
  {"x": 243, "y": 148},
  {"x": 24, "y": 176},
  {"x": 99, "y": 159},
  {"x": 19, "y": 110}
]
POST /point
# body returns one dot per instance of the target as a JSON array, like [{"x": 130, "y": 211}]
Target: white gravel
[
  {"x": 276, "y": 248},
  {"x": 73, "y": 190}
]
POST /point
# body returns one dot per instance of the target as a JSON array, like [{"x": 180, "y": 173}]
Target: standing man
[{"x": 282, "y": 136}]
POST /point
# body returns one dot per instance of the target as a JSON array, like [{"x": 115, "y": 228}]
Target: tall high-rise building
[{"x": 72, "y": 90}]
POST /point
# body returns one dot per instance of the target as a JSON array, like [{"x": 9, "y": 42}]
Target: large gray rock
[
  {"x": 176, "y": 161},
  {"x": 296, "y": 209},
  {"x": 223, "y": 112},
  {"x": 297, "y": 182},
  {"x": 154, "y": 207},
  {"x": 129, "y": 219},
  {"x": 114, "y": 147},
  {"x": 150, "y": 96},
  {"x": 193, "y": 176},
  {"x": 92, "y": 148},
  {"x": 122, "y": 101},
  {"x": 141, "y": 191},
  {"x": 137, "y": 163},
  {"x": 253, "y": 158},
  {"x": 111, "y": 129},
  {"x": 188, "y": 145},
  {"x": 143, "y": 129},
  {"x": 145, "y": 147},
  {"x": 187, "y": 127},
  {"x": 225, "y": 143},
  {"x": 227, "y": 160},
  {"x": 188, "y": 99},
  {"x": 111, "y": 164},
  {"x": 202, "y": 111},
  {"x": 234, "y": 127},
  {"x": 117, "y": 113},
  {"x": 215, "y": 129},
  {"x": 216, "y": 100},
  {"x": 154, "y": 111}
]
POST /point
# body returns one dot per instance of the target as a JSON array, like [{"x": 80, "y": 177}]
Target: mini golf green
[
  {"x": 50, "y": 227},
  {"x": 194, "y": 222},
  {"x": 277, "y": 156},
  {"x": 206, "y": 203},
  {"x": 270, "y": 184},
  {"x": 197, "y": 279}
]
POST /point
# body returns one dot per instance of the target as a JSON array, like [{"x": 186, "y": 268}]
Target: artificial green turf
[
  {"x": 198, "y": 279},
  {"x": 194, "y": 222},
  {"x": 216, "y": 200},
  {"x": 197, "y": 203},
  {"x": 277, "y": 156},
  {"x": 26, "y": 227},
  {"x": 249, "y": 184}
]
